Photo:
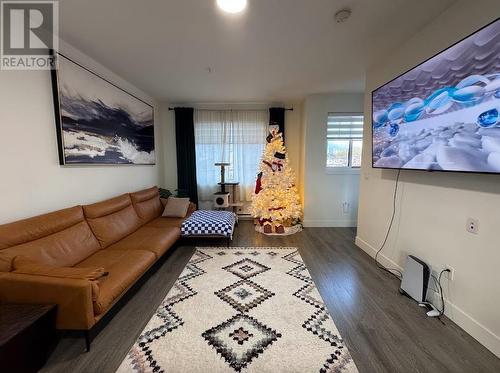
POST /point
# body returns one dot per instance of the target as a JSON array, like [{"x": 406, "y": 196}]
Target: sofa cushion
[
  {"x": 163, "y": 223},
  {"x": 112, "y": 220},
  {"x": 147, "y": 204},
  {"x": 124, "y": 268},
  {"x": 155, "y": 240},
  {"x": 61, "y": 238}
]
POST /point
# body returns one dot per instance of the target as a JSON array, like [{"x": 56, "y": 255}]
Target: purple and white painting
[
  {"x": 445, "y": 113},
  {"x": 100, "y": 123}
]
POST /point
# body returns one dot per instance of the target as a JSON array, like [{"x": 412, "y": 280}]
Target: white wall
[
  {"x": 32, "y": 182},
  {"x": 433, "y": 207},
  {"x": 324, "y": 193}
]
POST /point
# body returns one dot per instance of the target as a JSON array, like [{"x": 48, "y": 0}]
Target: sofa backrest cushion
[
  {"x": 61, "y": 238},
  {"x": 112, "y": 220},
  {"x": 147, "y": 204}
]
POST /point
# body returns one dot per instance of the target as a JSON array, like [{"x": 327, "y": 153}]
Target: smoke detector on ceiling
[{"x": 343, "y": 15}]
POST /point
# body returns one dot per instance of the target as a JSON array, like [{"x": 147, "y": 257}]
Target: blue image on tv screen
[{"x": 445, "y": 113}]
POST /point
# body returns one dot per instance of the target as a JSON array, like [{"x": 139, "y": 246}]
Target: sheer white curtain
[{"x": 237, "y": 137}]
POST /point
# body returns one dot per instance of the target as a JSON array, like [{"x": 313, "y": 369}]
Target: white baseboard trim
[
  {"x": 370, "y": 250},
  {"x": 329, "y": 223},
  {"x": 470, "y": 325},
  {"x": 473, "y": 327}
]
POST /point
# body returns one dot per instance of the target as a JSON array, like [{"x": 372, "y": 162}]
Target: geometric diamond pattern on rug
[
  {"x": 170, "y": 322},
  {"x": 318, "y": 325},
  {"x": 140, "y": 360},
  {"x": 179, "y": 292},
  {"x": 304, "y": 293},
  {"x": 297, "y": 273},
  {"x": 246, "y": 268},
  {"x": 177, "y": 338},
  {"x": 199, "y": 256},
  {"x": 294, "y": 257},
  {"x": 190, "y": 271},
  {"x": 337, "y": 362},
  {"x": 240, "y": 340},
  {"x": 244, "y": 295},
  {"x": 141, "y": 354},
  {"x": 240, "y": 335}
]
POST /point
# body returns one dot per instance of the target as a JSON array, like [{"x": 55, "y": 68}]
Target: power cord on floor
[
  {"x": 393, "y": 271},
  {"x": 433, "y": 310},
  {"x": 438, "y": 285}
]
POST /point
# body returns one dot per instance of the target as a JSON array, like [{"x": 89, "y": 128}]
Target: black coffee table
[{"x": 27, "y": 336}]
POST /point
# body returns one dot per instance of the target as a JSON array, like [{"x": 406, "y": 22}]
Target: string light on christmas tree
[{"x": 275, "y": 203}]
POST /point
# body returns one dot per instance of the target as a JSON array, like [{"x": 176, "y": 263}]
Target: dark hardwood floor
[{"x": 384, "y": 331}]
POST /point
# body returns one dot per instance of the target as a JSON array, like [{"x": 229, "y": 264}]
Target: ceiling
[{"x": 184, "y": 51}]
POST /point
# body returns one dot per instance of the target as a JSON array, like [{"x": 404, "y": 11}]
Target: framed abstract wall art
[{"x": 98, "y": 123}]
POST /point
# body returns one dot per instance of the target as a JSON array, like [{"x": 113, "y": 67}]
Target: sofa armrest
[
  {"x": 27, "y": 266},
  {"x": 73, "y": 297}
]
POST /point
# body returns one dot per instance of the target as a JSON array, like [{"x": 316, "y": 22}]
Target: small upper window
[{"x": 344, "y": 140}]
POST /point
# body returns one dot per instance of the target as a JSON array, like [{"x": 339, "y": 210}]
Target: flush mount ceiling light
[{"x": 232, "y": 6}]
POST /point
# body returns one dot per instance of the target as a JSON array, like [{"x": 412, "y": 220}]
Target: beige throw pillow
[{"x": 176, "y": 207}]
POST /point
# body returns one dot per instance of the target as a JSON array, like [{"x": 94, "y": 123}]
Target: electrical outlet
[
  {"x": 450, "y": 275},
  {"x": 472, "y": 226}
]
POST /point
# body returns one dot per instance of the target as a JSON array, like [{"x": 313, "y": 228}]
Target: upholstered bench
[{"x": 208, "y": 223}]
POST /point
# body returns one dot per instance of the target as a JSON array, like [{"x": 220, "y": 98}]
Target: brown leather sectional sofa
[{"x": 124, "y": 236}]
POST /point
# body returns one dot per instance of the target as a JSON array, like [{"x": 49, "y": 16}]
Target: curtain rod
[{"x": 286, "y": 109}]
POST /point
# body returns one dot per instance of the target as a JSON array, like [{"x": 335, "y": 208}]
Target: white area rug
[{"x": 241, "y": 309}]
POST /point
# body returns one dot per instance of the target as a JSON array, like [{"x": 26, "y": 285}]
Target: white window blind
[
  {"x": 344, "y": 127},
  {"x": 344, "y": 140}
]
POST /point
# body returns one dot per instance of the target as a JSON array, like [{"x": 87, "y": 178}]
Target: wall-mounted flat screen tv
[{"x": 444, "y": 114}]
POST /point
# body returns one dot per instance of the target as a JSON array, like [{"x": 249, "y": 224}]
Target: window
[
  {"x": 344, "y": 140},
  {"x": 237, "y": 137}
]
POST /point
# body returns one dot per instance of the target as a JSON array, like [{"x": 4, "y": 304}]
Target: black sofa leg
[{"x": 87, "y": 339}]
